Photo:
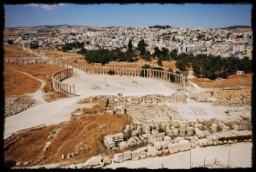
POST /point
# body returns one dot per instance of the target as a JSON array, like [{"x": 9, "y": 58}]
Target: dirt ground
[
  {"x": 86, "y": 132},
  {"x": 233, "y": 81}
]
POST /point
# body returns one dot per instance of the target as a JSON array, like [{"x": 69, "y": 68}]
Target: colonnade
[
  {"x": 27, "y": 60},
  {"x": 147, "y": 73},
  {"x": 80, "y": 66},
  {"x": 59, "y": 86}
]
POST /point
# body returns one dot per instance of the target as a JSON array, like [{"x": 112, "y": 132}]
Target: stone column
[{"x": 74, "y": 90}]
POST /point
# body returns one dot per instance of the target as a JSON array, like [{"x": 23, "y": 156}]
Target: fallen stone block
[
  {"x": 167, "y": 139},
  {"x": 190, "y": 131},
  {"x": 164, "y": 144},
  {"x": 200, "y": 134},
  {"x": 176, "y": 131},
  {"x": 202, "y": 142},
  {"x": 161, "y": 135},
  {"x": 123, "y": 145},
  {"x": 165, "y": 151},
  {"x": 145, "y": 136},
  {"x": 143, "y": 155},
  {"x": 184, "y": 145},
  {"x": 134, "y": 132},
  {"x": 158, "y": 153},
  {"x": 131, "y": 142},
  {"x": 106, "y": 161},
  {"x": 157, "y": 145},
  {"x": 236, "y": 127},
  {"x": 135, "y": 155},
  {"x": 127, "y": 155},
  {"x": 46, "y": 146},
  {"x": 209, "y": 143},
  {"x": 214, "y": 127},
  {"x": 72, "y": 166},
  {"x": 93, "y": 161},
  {"x": 152, "y": 153},
  {"x": 192, "y": 145},
  {"x": 177, "y": 139},
  {"x": 154, "y": 132},
  {"x": 173, "y": 147},
  {"x": 118, "y": 158},
  {"x": 141, "y": 138}
]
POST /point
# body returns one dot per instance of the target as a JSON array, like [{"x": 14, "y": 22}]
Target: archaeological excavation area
[{"x": 113, "y": 116}]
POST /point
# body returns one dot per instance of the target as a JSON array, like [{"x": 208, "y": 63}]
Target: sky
[{"x": 132, "y": 15}]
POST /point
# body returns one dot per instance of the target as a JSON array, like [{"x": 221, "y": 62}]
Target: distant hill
[{"x": 236, "y": 27}]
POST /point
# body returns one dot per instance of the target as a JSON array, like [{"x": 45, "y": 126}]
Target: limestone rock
[
  {"x": 158, "y": 153},
  {"x": 200, "y": 134},
  {"x": 165, "y": 151},
  {"x": 143, "y": 155},
  {"x": 123, "y": 145},
  {"x": 93, "y": 161},
  {"x": 135, "y": 155},
  {"x": 72, "y": 166},
  {"x": 173, "y": 147},
  {"x": 131, "y": 142},
  {"x": 203, "y": 142},
  {"x": 157, "y": 145},
  {"x": 127, "y": 155},
  {"x": 106, "y": 160},
  {"x": 184, "y": 145},
  {"x": 118, "y": 157},
  {"x": 164, "y": 144},
  {"x": 167, "y": 139}
]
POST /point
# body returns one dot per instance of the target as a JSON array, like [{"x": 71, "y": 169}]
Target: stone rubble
[{"x": 17, "y": 104}]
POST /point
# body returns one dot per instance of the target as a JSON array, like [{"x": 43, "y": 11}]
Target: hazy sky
[{"x": 134, "y": 15}]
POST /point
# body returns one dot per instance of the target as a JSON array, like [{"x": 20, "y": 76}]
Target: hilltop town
[{"x": 225, "y": 42}]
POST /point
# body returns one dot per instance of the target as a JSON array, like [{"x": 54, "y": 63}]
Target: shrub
[{"x": 128, "y": 135}]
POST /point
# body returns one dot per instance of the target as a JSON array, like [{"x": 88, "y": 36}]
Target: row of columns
[
  {"x": 80, "y": 66},
  {"x": 25, "y": 60},
  {"x": 59, "y": 86},
  {"x": 147, "y": 73}
]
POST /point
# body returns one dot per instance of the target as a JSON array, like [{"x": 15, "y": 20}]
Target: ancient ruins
[{"x": 156, "y": 123}]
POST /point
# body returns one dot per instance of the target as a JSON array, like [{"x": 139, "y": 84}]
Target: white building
[
  {"x": 189, "y": 48},
  {"x": 238, "y": 47}
]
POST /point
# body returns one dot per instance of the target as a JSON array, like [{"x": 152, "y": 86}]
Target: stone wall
[{"x": 224, "y": 95}]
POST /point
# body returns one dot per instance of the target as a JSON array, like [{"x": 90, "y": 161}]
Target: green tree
[
  {"x": 130, "y": 46},
  {"x": 173, "y": 54},
  {"x": 164, "y": 54},
  {"x": 156, "y": 52},
  {"x": 181, "y": 65},
  {"x": 146, "y": 55},
  {"x": 159, "y": 62},
  {"x": 82, "y": 51},
  {"x": 141, "y": 47}
]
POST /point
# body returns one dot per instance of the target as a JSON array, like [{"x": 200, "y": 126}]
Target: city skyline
[{"x": 132, "y": 15}]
